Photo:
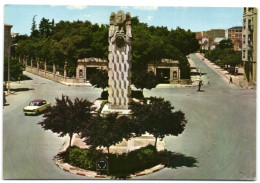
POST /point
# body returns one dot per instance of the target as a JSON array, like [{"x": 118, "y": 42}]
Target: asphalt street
[
  {"x": 220, "y": 134},
  {"x": 28, "y": 150}
]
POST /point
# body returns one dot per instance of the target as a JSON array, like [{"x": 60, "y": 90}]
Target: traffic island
[{"x": 116, "y": 162}]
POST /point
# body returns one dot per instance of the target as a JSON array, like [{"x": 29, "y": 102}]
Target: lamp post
[{"x": 9, "y": 55}]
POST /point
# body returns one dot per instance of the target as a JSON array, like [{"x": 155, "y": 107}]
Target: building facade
[
  {"x": 7, "y": 38},
  {"x": 207, "y": 38},
  {"x": 249, "y": 44},
  {"x": 167, "y": 68},
  {"x": 235, "y": 34},
  {"x": 87, "y": 67}
]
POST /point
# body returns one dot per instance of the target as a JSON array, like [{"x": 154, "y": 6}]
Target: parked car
[{"x": 36, "y": 107}]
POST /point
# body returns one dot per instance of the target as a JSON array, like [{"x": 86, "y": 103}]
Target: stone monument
[{"x": 119, "y": 73}]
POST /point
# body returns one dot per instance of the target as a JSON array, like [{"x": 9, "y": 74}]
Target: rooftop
[
  {"x": 236, "y": 27},
  {"x": 7, "y": 25}
]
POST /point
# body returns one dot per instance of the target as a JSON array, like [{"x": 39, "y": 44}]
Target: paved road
[
  {"x": 221, "y": 131},
  {"x": 28, "y": 150}
]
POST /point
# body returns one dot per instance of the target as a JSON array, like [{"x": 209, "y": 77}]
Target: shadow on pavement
[
  {"x": 200, "y": 90},
  {"x": 25, "y": 77},
  {"x": 180, "y": 160},
  {"x": 21, "y": 89}
]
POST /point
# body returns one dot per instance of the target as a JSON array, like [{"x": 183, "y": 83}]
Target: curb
[
  {"x": 75, "y": 84},
  {"x": 87, "y": 173},
  {"x": 11, "y": 93},
  {"x": 181, "y": 86}
]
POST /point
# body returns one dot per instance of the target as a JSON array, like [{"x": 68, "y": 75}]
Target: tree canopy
[
  {"x": 100, "y": 79},
  {"x": 106, "y": 130},
  {"x": 70, "y": 41},
  {"x": 225, "y": 44},
  {"x": 156, "y": 117},
  {"x": 66, "y": 117},
  {"x": 16, "y": 69},
  {"x": 146, "y": 80}
]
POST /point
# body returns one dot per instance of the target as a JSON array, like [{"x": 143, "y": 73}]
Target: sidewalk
[
  {"x": 76, "y": 84},
  {"x": 237, "y": 80},
  {"x": 124, "y": 146}
]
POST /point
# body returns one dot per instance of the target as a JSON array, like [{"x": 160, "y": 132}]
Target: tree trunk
[
  {"x": 108, "y": 149},
  {"x": 71, "y": 134},
  {"x": 155, "y": 143}
]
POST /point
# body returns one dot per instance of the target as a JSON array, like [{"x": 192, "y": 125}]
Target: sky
[{"x": 186, "y": 17}]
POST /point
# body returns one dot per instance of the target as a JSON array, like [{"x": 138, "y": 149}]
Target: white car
[{"x": 36, "y": 107}]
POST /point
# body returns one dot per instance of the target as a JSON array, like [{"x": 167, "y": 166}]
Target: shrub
[
  {"x": 104, "y": 95},
  {"x": 119, "y": 165},
  {"x": 137, "y": 94},
  {"x": 82, "y": 158}
]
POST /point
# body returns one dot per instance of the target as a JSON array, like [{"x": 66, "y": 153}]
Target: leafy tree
[
  {"x": 16, "y": 69},
  {"x": 106, "y": 131},
  {"x": 140, "y": 47},
  {"x": 146, "y": 80},
  {"x": 135, "y": 21},
  {"x": 185, "y": 41},
  {"x": 225, "y": 44},
  {"x": 155, "y": 116},
  {"x": 232, "y": 58},
  {"x": 45, "y": 27},
  {"x": 69, "y": 41},
  {"x": 34, "y": 31},
  {"x": 99, "y": 44},
  {"x": 100, "y": 79},
  {"x": 67, "y": 117}
]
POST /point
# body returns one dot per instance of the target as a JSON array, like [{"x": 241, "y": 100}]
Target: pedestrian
[
  {"x": 200, "y": 83},
  {"x": 208, "y": 80},
  {"x": 230, "y": 80}
]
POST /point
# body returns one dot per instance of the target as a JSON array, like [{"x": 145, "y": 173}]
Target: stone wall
[{"x": 46, "y": 74}]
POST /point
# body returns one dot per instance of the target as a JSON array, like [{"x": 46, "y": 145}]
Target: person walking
[
  {"x": 230, "y": 80},
  {"x": 200, "y": 83},
  {"x": 208, "y": 80}
]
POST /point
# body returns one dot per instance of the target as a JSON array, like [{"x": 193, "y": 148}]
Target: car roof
[{"x": 38, "y": 100}]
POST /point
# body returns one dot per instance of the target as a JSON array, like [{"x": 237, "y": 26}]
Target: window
[
  {"x": 244, "y": 39},
  {"x": 174, "y": 74},
  {"x": 80, "y": 73}
]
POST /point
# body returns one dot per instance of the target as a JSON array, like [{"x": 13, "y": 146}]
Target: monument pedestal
[
  {"x": 106, "y": 110},
  {"x": 124, "y": 146}
]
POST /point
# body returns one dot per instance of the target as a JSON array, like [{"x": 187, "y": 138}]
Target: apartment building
[
  {"x": 249, "y": 44},
  {"x": 235, "y": 34}
]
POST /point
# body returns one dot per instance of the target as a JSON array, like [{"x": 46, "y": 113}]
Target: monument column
[{"x": 119, "y": 73}]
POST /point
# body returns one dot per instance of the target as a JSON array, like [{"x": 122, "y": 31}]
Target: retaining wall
[{"x": 45, "y": 74}]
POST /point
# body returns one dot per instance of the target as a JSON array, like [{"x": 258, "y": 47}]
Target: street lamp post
[{"x": 9, "y": 55}]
